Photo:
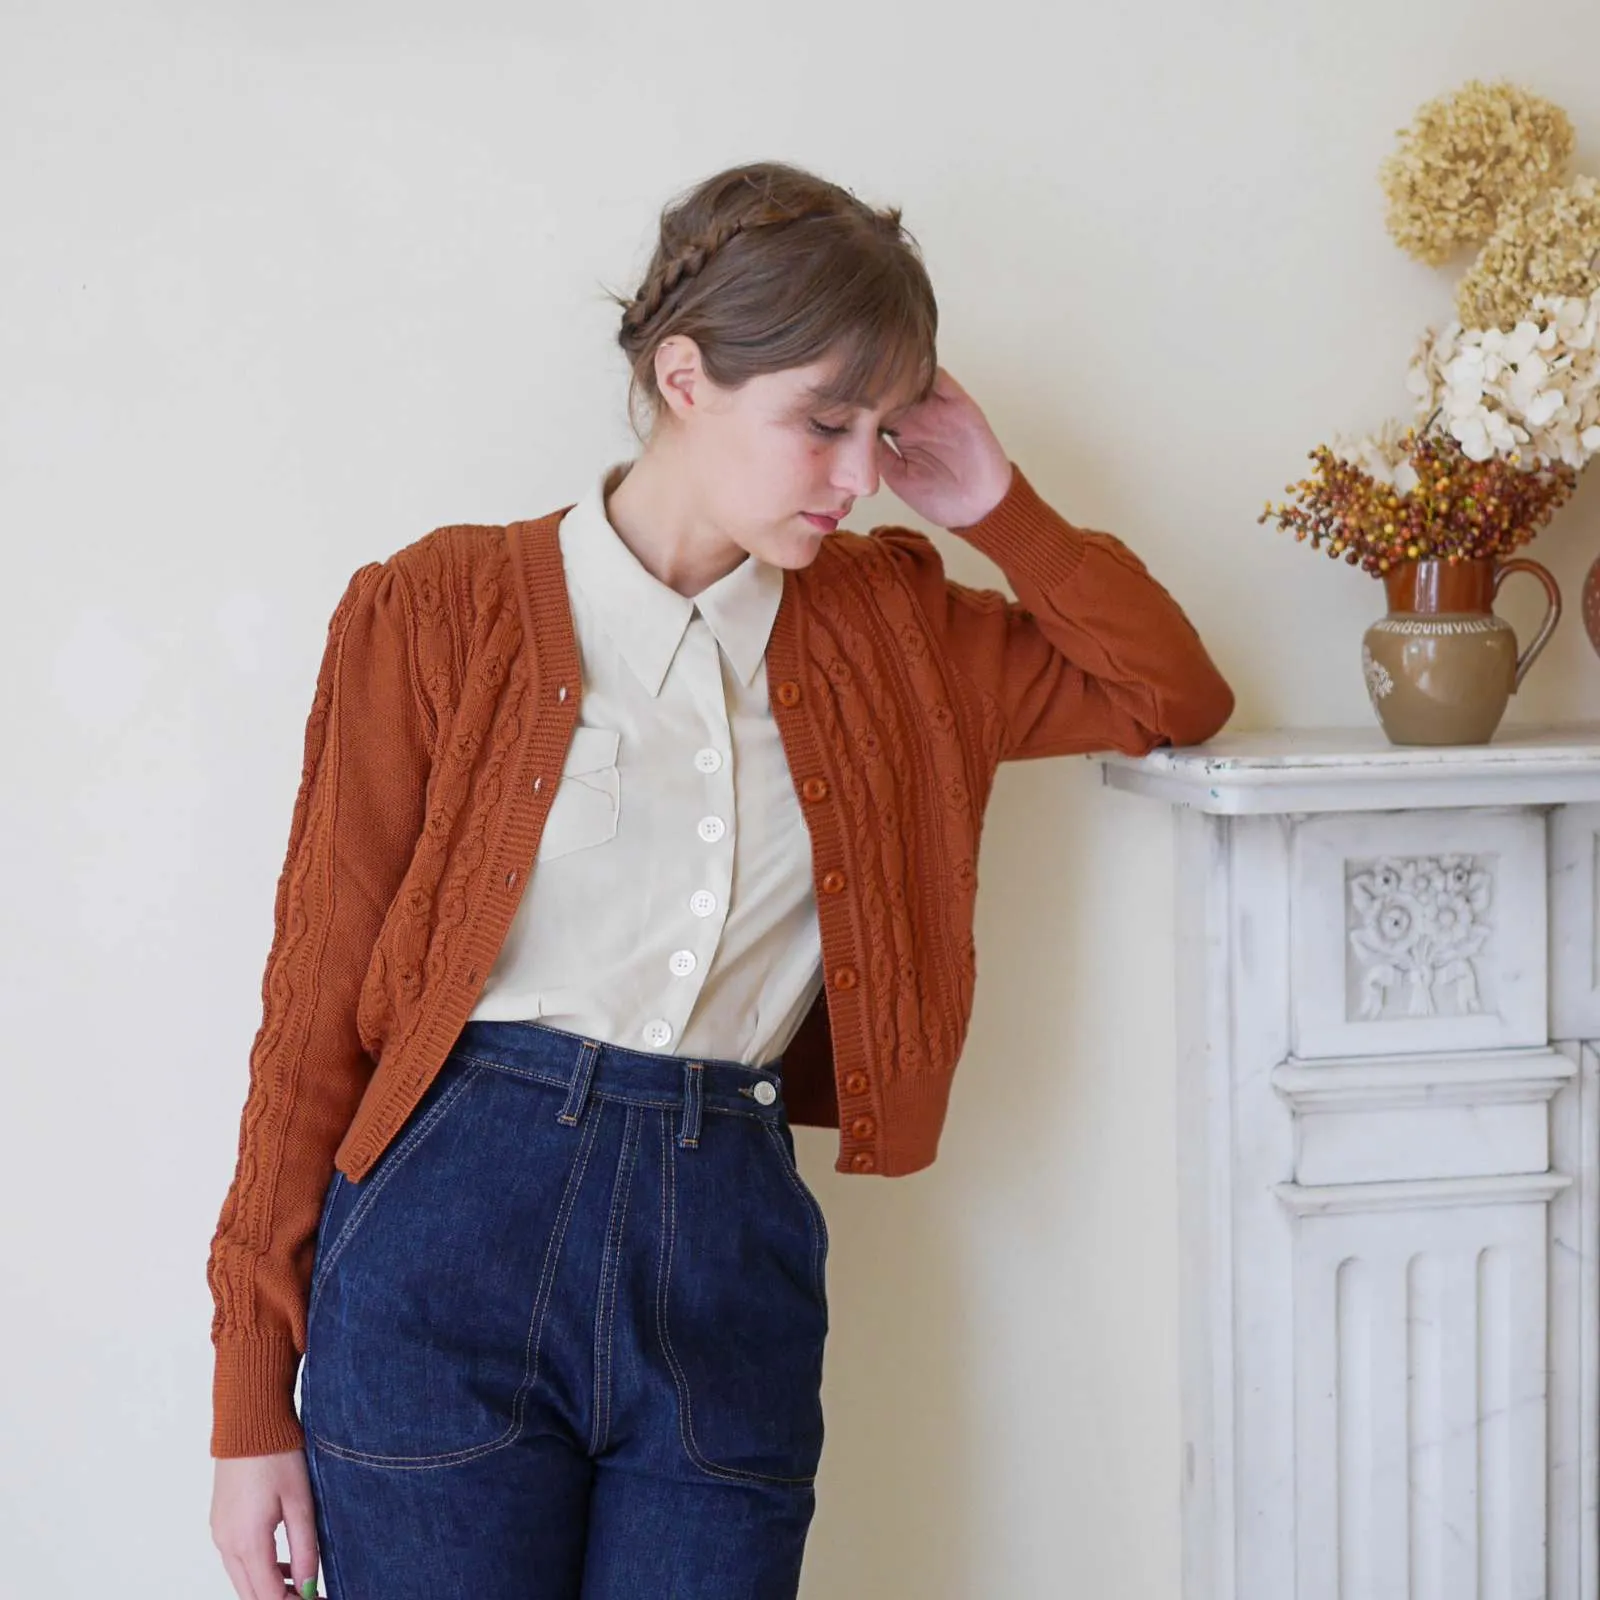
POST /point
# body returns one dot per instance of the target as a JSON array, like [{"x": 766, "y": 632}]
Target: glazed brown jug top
[{"x": 1433, "y": 588}]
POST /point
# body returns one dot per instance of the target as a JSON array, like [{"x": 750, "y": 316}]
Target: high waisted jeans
[{"x": 565, "y": 1339}]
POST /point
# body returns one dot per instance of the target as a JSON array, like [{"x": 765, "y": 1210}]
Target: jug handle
[{"x": 1551, "y": 617}]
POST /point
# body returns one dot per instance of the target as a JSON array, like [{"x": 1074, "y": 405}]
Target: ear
[{"x": 679, "y": 374}]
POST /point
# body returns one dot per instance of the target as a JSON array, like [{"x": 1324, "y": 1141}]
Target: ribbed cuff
[
  {"x": 253, "y": 1397},
  {"x": 1025, "y": 534}
]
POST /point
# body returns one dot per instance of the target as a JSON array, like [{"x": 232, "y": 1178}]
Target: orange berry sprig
[{"x": 1458, "y": 509}]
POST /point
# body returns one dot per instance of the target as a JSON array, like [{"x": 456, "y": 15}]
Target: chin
[{"x": 801, "y": 556}]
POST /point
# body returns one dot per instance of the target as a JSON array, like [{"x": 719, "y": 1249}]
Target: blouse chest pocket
[{"x": 588, "y": 798}]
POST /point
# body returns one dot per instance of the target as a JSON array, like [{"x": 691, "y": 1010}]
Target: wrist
[{"x": 991, "y": 501}]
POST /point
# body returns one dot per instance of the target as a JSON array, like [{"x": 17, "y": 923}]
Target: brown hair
[{"x": 766, "y": 267}]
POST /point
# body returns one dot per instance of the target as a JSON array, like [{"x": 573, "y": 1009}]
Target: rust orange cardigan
[{"x": 448, "y": 690}]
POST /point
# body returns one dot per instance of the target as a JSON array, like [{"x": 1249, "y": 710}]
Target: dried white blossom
[
  {"x": 1381, "y": 455},
  {"x": 1530, "y": 396}
]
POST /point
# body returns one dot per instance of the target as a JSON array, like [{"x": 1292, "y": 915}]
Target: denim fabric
[{"x": 565, "y": 1339}]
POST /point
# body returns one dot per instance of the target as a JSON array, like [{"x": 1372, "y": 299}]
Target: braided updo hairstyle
[{"x": 767, "y": 267}]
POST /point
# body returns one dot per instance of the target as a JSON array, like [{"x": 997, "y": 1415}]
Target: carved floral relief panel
[{"x": 1418, "y": 929}]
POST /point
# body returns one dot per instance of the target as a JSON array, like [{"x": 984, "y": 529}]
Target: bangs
[
  {"x": 875, "y": 365},
  {"x": 872, "y": 320}
]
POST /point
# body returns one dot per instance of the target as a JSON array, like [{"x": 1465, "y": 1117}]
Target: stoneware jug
[{"x": 1441, "y": 665}]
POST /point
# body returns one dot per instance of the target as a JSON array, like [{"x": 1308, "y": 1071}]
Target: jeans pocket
[
  {"x": 742, "y": 1317},
  {"x": 398, "y": 1303},
  {"x": 348, "y": 1205},
  {"x": 783, "y": 1138}
]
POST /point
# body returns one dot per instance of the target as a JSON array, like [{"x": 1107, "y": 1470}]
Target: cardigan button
[
  {"x": 845, "y": 978},
  {"x": 833, "y": 882},
  {"x": 863, "y": 1161},
  {"x": 788, "y": 693},
  {"x": 815, "y": 789},
  {"x": 856, "y": 1083},
  {"x": 863, "y": 1128}
]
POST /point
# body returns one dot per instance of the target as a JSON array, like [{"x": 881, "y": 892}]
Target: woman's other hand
[{"x": 250, "y": 1496}]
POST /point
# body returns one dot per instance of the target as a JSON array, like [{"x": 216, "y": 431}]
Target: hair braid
[
  {"x": 676, "y": 269},
  {"x": 690, "y": 260}
]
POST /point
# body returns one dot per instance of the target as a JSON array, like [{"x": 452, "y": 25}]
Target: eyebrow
[{"x": 817, "y": 393}]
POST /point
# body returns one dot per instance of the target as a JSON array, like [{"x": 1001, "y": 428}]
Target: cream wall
[{"x": 286, "y": 285}]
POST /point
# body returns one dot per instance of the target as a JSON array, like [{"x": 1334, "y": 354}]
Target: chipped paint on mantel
[{"x": 1306, "y": 770}]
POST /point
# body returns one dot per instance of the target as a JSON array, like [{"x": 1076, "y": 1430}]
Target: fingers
[
  {"x": 239, "y": 1578},
  {"x": 255, "y": 1576},
  {"x": 300, "y": 1523},
  {"x": 305, "y": 1589}
]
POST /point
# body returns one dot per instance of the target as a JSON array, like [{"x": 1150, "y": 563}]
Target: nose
[{"x": 856, "y": 467}]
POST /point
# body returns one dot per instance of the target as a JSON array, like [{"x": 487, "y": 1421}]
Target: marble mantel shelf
[{"x": 1357, "y": 769}]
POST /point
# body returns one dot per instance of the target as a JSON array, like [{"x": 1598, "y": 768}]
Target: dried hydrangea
[
  {"x": 1545, "y": 243},
  {"x": 1463, "y": 158},
  {"x": 1530, "y": 396},
  {"x": 1384, "y": 456}
]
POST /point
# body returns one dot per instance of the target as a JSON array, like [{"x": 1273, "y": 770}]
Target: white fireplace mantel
[{"x": 1388, "y": 986}]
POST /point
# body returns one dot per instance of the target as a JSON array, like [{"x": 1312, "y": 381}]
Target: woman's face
[{"x": 776, "y": 469}]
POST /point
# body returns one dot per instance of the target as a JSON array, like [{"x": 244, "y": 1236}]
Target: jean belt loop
[
  {"x": 578, "y": 1089},
  {"x": 693, "y": 1075}
]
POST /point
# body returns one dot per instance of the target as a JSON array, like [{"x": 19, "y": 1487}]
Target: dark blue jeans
[{"x": 565, "y": 1339}]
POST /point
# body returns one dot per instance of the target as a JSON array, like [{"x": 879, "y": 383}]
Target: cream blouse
[{"x": 671, "y": 905}]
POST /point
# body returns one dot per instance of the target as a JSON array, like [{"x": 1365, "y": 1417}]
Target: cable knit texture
[{"x": 448, "y": 692}]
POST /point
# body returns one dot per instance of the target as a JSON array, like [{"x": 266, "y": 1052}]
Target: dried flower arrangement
[{"x": 1508, "y": 394}]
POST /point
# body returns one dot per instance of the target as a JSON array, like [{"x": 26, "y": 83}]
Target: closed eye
[{"x": 826, "y": 431}]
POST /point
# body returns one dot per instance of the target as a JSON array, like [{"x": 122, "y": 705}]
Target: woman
[{"x": 627, "y": 837}]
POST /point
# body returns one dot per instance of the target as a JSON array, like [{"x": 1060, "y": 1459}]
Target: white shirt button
[
  {"x": 702, "y": 902},
  {"x": 683, "y": 962},
  {"x": 658, "y": 1034},
  {"x": 712, "y": 829},
  {"x": 765, "y": 1093},
  {"x": 708, "y": 760}
]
